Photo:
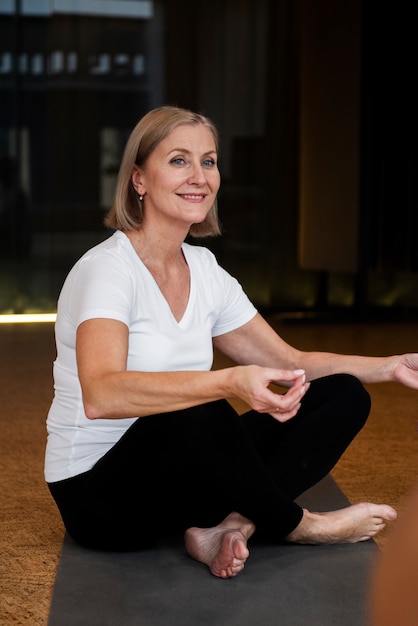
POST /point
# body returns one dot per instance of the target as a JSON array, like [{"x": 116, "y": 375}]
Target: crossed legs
[{"x": 306, "y": 451}]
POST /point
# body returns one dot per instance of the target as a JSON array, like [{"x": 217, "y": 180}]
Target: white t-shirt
[{"x": 110, "y": 281}]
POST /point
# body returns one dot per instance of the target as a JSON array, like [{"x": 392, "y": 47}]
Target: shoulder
[
  {"x": 199, "y": 255},
  {"x": 111, "y": 254},
  {"x": 106, "y": 263},
  {"x": 114, "y": 245}
]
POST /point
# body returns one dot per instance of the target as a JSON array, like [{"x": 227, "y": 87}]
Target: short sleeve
[{"x": 101, "y": 286}]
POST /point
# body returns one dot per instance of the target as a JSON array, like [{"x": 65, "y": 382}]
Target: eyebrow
[{"x": 214, "y": 151}]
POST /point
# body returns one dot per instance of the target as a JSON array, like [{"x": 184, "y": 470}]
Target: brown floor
[{"x": 381, "y": 465}]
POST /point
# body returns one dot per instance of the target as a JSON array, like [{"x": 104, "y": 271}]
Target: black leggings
[{"x": 195, "y": 466}]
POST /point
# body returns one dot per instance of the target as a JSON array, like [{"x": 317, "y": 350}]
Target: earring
[{"x": 141, "y": 198}]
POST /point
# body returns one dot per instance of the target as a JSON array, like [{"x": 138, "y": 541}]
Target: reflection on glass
[{"x": 74, "y": 79}]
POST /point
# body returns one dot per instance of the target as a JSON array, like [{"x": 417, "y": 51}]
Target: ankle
[
  {"x": 239, "y": 522},
  {"x": 305, "y": 529}
]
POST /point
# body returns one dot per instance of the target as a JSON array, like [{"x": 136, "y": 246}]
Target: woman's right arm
[{"x": 111, "y": 391}]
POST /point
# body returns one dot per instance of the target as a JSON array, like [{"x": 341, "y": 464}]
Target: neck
[{"x": 156, "y": 249}]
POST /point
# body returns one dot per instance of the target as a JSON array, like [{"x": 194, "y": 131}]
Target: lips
[{"x": 194, "y": 197}]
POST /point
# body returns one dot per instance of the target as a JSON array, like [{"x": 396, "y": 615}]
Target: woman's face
[{"x": 180, "y": 179}]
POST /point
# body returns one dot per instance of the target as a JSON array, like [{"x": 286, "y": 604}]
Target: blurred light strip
[
  {"x": 28, "y": 318},
  {"x": 102, "y": 8}
]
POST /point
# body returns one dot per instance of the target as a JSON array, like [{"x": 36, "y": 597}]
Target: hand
[
  {"x": 405, "y": 370},
  {"x": 253, "y": 384}
]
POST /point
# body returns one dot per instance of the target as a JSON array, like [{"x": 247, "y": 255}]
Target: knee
[{"x": 353, "y": 398}]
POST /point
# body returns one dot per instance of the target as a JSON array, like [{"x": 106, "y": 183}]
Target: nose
[{"x": 197, "y": 174}]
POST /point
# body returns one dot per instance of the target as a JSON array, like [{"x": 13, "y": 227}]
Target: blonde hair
[{"x": 127, "y": 210}]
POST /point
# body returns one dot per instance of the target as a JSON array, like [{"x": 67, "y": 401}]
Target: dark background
[{"x": 315, "y": 103}]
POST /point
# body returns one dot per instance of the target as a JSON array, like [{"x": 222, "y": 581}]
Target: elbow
[
  {"x": 91, "y": 410},
  {"x": 97, "y": 406},
  {"x": 96, "y": 400}
]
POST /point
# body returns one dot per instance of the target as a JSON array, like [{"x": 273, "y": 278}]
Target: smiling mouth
[{"x": 196, "y": 197}]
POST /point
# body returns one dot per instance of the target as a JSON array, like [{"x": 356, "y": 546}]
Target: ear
[{"x": 137, "y": 180}]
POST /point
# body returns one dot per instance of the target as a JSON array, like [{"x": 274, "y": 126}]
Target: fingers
[
  {"x": 284, "y": 377},
  {"x": 255, "y": 389},
  {"x": 284, "y": 415},
  {"x": 285, "y": 406}
]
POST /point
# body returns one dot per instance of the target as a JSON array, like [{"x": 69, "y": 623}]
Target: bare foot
[
  {"x": 222, "y": 548},
  {"x": 358, "y": 522}
]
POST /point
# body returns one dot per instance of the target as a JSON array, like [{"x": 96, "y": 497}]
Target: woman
[{"x": 142, "y": 442}]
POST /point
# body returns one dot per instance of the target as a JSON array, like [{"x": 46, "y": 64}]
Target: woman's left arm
[{"x": 257, "y": 343}]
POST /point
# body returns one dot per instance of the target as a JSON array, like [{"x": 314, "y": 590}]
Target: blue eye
[
  {"x": 178, "y": 161},
  {"x": 209, "y": 163}
]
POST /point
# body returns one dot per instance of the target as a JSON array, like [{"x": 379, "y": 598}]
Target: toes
[
  {"x": 232, "y": 570},
  {"x": 238, "y": 568}
]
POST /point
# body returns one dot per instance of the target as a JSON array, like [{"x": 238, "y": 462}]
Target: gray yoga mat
[{"x": 287, "y": 585}]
